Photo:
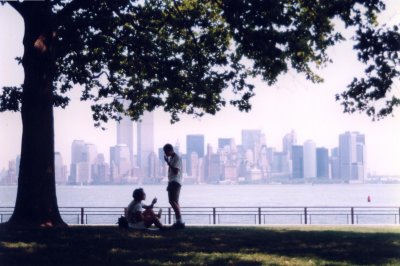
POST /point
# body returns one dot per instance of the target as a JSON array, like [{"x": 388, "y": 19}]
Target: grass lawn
[{"x": 106, "y": 245}]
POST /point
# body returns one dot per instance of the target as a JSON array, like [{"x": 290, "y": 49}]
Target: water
[{"x": 304, "y": 195}]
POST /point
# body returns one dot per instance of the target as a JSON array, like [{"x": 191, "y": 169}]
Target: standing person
[
  {"x": 141, "y": 216},
  {"x": 174, "y": 162}
]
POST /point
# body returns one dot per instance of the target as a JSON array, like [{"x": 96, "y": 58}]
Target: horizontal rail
[{"x": 239, "y": 215}]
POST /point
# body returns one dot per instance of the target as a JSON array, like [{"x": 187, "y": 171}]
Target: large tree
[{"x": 130, "y": 56}]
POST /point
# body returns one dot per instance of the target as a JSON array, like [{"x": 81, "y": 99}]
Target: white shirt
[
  {"x": 175, "y": 161},
  {"x": 133, "y": 208}
]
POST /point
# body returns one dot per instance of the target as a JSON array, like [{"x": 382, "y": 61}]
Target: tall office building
[
  {"x": 352, "y": 161},
  {"x": 145, "y": 142},
  {"x": 288, "y": 141},
  {"x": 223, "y": 142},
  {"x": 194, "y": 144},
  {"x": 100, "y": 170},
  {"x": 322, "y": 163},
  {"x": 77, "y": 155},
  {"x": 251, "y": 138},
  {"x": 297, "y": 161},
  {"x": 120, "y": 163},
  {"x": 60, "y": 170},
  {"x": 335, "y": 163},
  {"x": 309, "y": 159},
  {"x": 125, "y": 134},
  {"x": 83, "y": 156},
  {"x": 212, "y": 166},
  {"x": 280, "y": 164}
]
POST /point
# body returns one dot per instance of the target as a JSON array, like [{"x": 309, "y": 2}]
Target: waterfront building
[
  {"x": 82, "y": 157},
  {"x": 125, "y": 135},
  {"x": 352, "y": 161},
  {"x": 280, "y": 164},
  {"x": 153, "y": 175},
  {"x": 100, "y": 170},
  {"x": 194, "y": 143},
  {"x": 10, "y": 177},
  {"x": 120, "y": 163},
  {"x": 230, "y": 171},
  {"x": 309, "y": 160},
  {"x": 223, "y": 142},
  {"x": 17, "y": 163},
  {"x": 77, "y": 151},
  {"x": 335, "y": 164},
  {"x": 212, "y": 166},
  {"x": 251, "y": 138},
  {"x": 297, "y": 162},
  {"x": 145, "y": 142},
  {"x": 322, "y": 163},
  {"x": 288, "y": 141},
  {"x": 60, "y": 170}
]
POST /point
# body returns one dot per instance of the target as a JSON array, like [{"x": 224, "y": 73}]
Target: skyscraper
[
  {"x": 352, "y": 159},
  {"x": 145, "y": 142},
  {"x": 194, "y": 144},
  {"x": 309, "y": 159},
  {"x": 251, "y": 138},
  {"x": 322, "y": 163},
  {"x": 77, "y": 153},
  {"x": 297, "y": 161},
  {"x": 120, "y": 163},
  {"x": 335, "y": 163},
  {"x": 288, "y": 141},
  {"x": 125, "y": 134},
  {"x": 83, "y": 156},
  {"x": 222, "y": 142},
  {"x": 59, "y": 169}
]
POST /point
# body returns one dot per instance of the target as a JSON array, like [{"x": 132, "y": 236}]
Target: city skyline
[
  {"x": 292, "y": 103},
  {"x": 248, "y": 161}
]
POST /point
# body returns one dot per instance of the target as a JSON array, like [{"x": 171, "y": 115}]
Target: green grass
[{"x": 97, "y": 245}]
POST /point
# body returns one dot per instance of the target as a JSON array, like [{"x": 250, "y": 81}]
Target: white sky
[{"x": 293, "y": 103}]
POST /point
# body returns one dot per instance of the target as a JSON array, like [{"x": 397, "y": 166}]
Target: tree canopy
[{"x": 182, "y": 54}]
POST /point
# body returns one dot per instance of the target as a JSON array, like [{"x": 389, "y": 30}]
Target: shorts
[
  {"x": 138, "y": 225},
  {"x": 174, "y": 189}
]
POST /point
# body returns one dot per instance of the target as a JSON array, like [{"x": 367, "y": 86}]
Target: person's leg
[
  {"x": 173, "y": 196},
  {"x": 175, "y": 206},
  {"x": 151, "y": 218}
]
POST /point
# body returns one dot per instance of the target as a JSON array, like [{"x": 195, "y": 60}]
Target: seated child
[{"x": 139, "y": 219}]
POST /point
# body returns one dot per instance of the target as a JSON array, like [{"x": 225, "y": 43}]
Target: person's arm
[
  {"x": 146, "y": 207},
  {"x": 174, "y": 164}
]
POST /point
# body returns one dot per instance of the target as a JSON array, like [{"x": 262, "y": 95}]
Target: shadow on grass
[{"x": 199, "y": 246}]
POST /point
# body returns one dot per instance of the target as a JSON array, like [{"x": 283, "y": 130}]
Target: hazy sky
[{"x": 292, "y": 103}]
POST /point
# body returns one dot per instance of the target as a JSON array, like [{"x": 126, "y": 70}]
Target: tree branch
[{"x": 69, "y": 9}]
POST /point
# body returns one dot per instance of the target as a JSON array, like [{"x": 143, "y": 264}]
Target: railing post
[
  {"x": 305, "y": 215},
  {"x": 169, "y": 215},
  {"x": 259, "y": 215},
  {"x": 352, "y": 215},
  {"x": 82, "y": 214},
  {"x": 214, "y": 216}
]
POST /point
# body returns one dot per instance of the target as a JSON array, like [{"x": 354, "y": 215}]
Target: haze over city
[{"x": 291, "y": 104}]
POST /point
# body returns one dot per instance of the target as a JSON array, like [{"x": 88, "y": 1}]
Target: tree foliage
[{"x": 181, "y": 55}]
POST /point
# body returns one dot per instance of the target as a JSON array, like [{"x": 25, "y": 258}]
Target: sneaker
[
  {"x": 179, "y": 225},
  {"x": 159, "y": 213}
]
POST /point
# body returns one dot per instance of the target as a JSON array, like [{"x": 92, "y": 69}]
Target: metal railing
[{"x": 238, "y": 215}]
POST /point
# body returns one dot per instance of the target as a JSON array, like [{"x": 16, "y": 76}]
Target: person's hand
[
  {"x": 166, "y": 158},
  {"x": 154, "y": 201}
]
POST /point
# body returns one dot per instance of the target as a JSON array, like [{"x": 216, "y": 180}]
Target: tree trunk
[{"x": 36, "y": 202}]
